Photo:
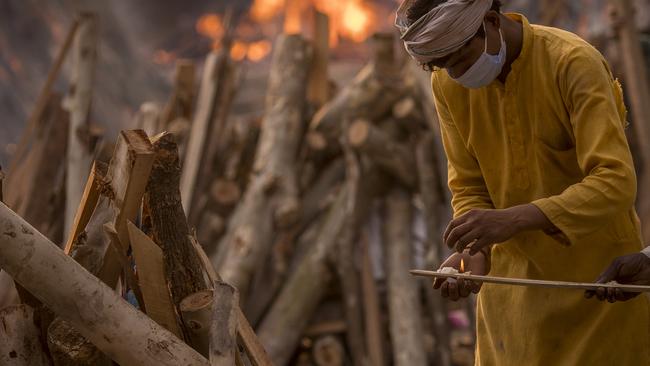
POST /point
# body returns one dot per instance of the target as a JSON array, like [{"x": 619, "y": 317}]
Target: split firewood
[
  {"x": 272, "y": 192},
  {"x": 318, "y": 91},
  {"x": 370, "y": 96},
  {"x": 180, "y": 103},
  {"x": 196, "y": 312},
  {"x": 223, "y": 327},
  {"x": 148, "y": 119},
  {"x": 69, "y": 348},
  {"x": 20, "y": 338},
  {"x": 304, "y": 289},
  {"x": 77, "y": 102},
  {"x": 119, "y": 330},
  {"x": 407, "y": 113},
  {"x": 328, "y": 351},
  {"x": 403, "y": 296},
  {"x": 156, "y": 299},
  {"x": 395, "y": 158},
  {"x": 166, "y": 223}
]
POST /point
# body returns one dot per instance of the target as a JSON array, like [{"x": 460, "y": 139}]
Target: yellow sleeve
[
  {"x": 594, "y": 102},
  {"x": 465, "y": 179}
]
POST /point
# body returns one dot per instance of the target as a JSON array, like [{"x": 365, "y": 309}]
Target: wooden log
[
  {"x": 149, "y": 119},
  {"x": 403, "y": 297},
  {"x": 298, "y": 299},
  {"x": 20, "y": 343},
  {"x": 157, "y": 302},
  {"x": 122, "y": 332},
  {"x": 180, "y": 104},
  {"x": 166, "y": 222},
  {"x": 372, "y": 310},
  {"x": 246, "y": 336},
  {"x": 223, "y": 327},
  {"x": 2, "y": 178},
  {"x": 638, "y": 91},
  {"x": 328, "y": 351},
  {"x": 435, "y": 214},
  {"x": 69, "y": 348},
  {"x": 370, "y": 95},
  {"x": 79, "y": 153},
  {"x": 196, "y": 312},
  {"x": 196, "y": 144},
  {"x": 318, "y": 91},
  {"x": 224, "y": 194},
  {"x": 272, "y": 193},
  {"x": 395, "y": 158}
]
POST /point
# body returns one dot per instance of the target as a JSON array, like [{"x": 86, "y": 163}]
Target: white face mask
[{"x": 486, "y": 69}]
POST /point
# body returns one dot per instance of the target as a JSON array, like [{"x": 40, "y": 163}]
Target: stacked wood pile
[{"x": 304, "y": 223}]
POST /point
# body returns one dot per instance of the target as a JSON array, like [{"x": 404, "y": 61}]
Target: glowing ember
[
  {"x": 258, "y": 50},
  {"x": 238, "y": 51},
  {"x": 265, "y": 10},
  {"x": 210, "y": 25},
  {"x": 462, "y": 265}
]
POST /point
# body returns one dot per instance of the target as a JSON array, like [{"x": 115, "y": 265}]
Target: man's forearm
[{"x": 529, "y": 217}]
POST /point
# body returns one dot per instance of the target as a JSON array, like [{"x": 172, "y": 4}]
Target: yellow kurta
[{"x": 553, "y": 135}]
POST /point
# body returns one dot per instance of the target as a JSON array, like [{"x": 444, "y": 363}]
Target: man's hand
[
  {"x": 478, "y": 264},
  {"x": 633, "y": 269},
  {"x": 481, "y": 228}
]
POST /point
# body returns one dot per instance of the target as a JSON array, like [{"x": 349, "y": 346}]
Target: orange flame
[
  {"x": 265, "y": 10},
  {"x": 462, "y": 265},
  {"x": 210, "y": 25}
]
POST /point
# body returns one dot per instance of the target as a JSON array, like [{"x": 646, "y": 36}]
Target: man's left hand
[
  {"x": 631, "y": 269},
  {"x": 481, "y": 228}
]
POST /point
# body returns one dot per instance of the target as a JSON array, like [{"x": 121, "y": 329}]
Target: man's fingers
[
  {"x": 610, "y": 273},
  {"x": 601, "y": 294},
  {"x": 437, "y": 283},
  {"x": 454, "y": 295},
  {"x": 444, "y": 289},
  {"x": 477, "y": 246},
  {"x": 456, "y": 234},
  {"x": 465, "y": 287}
]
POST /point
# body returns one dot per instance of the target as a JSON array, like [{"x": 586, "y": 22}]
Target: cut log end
[
  {"x": 225, "y": 192},
  {"x": 328, "y": 351},
  {"x": 358, "y": 133},
  {"x": 316, "y": 141},
  {"x": 404, "y": 108}
]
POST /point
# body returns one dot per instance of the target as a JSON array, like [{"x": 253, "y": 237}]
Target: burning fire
[{"x": 462, "y": 265}]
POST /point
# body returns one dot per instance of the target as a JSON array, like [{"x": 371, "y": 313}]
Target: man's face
[{"x": 460, "y": 61}]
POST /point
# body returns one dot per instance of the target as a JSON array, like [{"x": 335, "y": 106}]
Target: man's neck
[{"x": 513, "y": 33}]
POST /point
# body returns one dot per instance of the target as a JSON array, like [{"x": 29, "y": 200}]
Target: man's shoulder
[{"x": 560, "y": 44}]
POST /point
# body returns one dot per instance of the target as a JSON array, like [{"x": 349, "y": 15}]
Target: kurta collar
[{"x": 527, "y": 43}]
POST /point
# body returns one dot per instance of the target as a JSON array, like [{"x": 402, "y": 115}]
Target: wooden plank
[
  {"x": 180, "y": 103},
  {"x": 88, "y": 203},
  {"x": 318, "y": 90},
  {"x": 151, "y": 278},
  {"x": 77, "y": 102},
  {"x": 533, "y": 283}
]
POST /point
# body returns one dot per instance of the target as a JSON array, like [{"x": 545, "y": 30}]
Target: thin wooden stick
[{"x": 529, "y": 282}]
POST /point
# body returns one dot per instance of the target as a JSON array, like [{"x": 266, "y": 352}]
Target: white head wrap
[{"x": 443, "y": 30}]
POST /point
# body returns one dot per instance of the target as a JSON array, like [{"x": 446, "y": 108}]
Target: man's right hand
[
  {"x": 633, "y": 269},
  {"x": 478, "y": 264}
]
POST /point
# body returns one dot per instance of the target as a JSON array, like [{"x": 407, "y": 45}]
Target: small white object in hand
[{"x": 449, "y": 270}]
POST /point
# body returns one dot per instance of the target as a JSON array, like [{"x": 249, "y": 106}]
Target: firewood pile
[{"x": 206, "y": 239}]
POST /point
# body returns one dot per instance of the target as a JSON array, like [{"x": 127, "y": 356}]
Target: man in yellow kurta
[{"x": 542, "y": 181}]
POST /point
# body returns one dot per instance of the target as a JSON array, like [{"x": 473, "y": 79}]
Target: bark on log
[
  {"x": 395, "y": 158},
  {"x": 167, "y": 224},
  {"x": 328, "y": 351},
  {"x": 78, "y": 102},
  {"x": 157, "y": 302},
  {"x": 118, "y": 329},
  {"x": 370, "y": 95},
  {"x": 403, "y": 297},
  {"x": 69, "y": 348},
  {"x": 272, "y": 192},
  {"x": 223, "y": 327},
  {"x": 196, "y": 312},
  {"x": 298, "y": 299},
  {"x": 20, "y": 338}
]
